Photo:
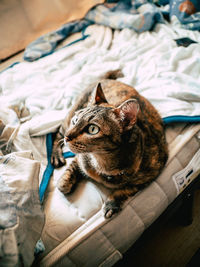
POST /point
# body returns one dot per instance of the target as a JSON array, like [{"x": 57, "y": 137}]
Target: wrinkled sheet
[
  {"x": 167, "y": 74},
  {"x": 21, "y": 217},
  {"x": 138, "y": 15}
]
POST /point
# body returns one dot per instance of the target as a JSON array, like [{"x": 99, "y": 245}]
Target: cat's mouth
[{"x": 76, "y": 147}]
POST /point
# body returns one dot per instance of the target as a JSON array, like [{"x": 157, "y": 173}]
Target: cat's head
[{"x": 100, "y": 127}]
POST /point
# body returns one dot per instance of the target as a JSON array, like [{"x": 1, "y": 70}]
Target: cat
[{"x": 118, "y": 138}]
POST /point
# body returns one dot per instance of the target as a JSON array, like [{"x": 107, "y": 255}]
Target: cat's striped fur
[{"x": 118, "y": 138}]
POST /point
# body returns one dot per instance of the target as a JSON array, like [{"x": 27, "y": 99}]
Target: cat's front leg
[
  {"x": 70, "y": 177},
  {"x": 116, "y": 200},
  {"x": 57, "y": 159}
]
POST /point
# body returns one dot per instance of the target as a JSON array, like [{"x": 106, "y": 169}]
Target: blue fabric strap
[
  {"x": 50, "y": 168},
  {"x": 181, "y": 118}
]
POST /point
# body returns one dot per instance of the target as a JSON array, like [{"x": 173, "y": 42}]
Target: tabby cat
[{"x": 118, "y": 138}]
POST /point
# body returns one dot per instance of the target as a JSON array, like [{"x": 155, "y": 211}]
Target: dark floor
[
  {"x": 195, "y": 260},
  {"x": 168, "y": 243}
]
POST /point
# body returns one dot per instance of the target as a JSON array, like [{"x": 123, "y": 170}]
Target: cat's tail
[{"x": 113, "y": 74}]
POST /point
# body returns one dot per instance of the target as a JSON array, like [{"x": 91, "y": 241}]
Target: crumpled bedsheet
[
  {"x": 166, "y": 74},
  {"x": 21, "y": 216},
  {"x": 138, "y": 15}
]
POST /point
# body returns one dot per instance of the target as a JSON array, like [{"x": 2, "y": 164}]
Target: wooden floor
[
  {"x": 8, "y": 62},
  {"x": 168, "y": 244}
]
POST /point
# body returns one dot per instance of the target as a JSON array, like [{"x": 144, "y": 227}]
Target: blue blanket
[{"x": 139, "y": 15}]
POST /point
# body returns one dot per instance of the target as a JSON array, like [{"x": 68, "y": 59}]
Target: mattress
[{"x": 76, "y": 232}]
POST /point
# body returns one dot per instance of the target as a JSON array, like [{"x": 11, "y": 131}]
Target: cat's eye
[{"x": 93, "y": 129}]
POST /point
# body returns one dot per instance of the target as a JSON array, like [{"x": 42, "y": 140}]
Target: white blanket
[{"x": 151, "y": 62}]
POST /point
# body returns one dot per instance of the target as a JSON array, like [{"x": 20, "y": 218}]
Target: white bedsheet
[{"x": 151, "y": 62}]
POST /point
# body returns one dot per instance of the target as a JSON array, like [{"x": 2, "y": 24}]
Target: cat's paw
[
  {"x": 110, "y": 208},
  {"x": 65, "y": 183},
  {"x": 57, "y": 159}
]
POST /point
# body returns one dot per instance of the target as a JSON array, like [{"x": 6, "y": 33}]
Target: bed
[{"x": 161, "y": 60}]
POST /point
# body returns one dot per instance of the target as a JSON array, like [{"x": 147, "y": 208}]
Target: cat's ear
[
  {"x": 99, "y": 96},
  {"x": 127, "y": 113}
]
